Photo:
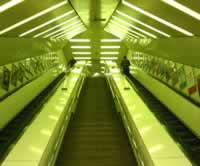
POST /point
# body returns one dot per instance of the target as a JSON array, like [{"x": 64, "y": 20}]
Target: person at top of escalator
[
  {"x": 125, "y": 64},
  {"x": 71, "y": 62}
]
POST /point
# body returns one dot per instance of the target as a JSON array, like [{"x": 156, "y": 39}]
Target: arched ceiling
[{"x": 99, "y": 19}]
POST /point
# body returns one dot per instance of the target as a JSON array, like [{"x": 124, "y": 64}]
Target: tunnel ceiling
[
  {"x": 39, "y": 19},
  {"x": 99, "y": 19}
]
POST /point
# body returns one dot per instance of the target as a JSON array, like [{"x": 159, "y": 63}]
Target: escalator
[
  {"x": 187, "y": 141},
  {"x": 95, "y": 135}
]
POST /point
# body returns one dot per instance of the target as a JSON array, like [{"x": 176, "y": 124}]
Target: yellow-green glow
[
  {"x": 54, "y": 27},
  {"x": 173, "y": 26},
  {"x": 54, "y": 7},
  {"x": 9, "y": 5}
]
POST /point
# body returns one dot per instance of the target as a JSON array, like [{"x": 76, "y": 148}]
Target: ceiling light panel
[
  {"x": 118, "y": 29},
  {"x": 71, "y": 34},
  {"x": 82, "y": 58},
  {"x": 37, "y": 15},
  {"x": 117, "y": 34},
  {"x": 55, "y": 27},
  {"x": 137, "y": 28},
  {"x": 63, "y": 28},
  {"x": 110, "y": 47},
  {"x": 80, "y": 47},
  {"x": 148, "y": 14},
  {"x": 128, "y": 29},
  {"x": 81, "y": 53},
  {"x": 109, "y": 53},
  {"x": 74, "y": 28},
  {"x": 46, "y": 23},
  {"x": 9, "y": 5},
  {"x": 111, "y": 40},
  {"x": 142, "y": 23},
  {"x": 182, "y": 8},
  {"x": 80, "y": 40}
]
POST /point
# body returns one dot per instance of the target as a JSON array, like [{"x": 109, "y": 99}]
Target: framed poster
[
  {"x": 14, "y": 77},
  {"x": 6, "y": 78}
]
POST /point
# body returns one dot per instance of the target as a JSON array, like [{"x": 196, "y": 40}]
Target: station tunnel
[{"x": 99, "y": 83}]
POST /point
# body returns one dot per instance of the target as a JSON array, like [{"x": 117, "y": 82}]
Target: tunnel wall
[
  {"x": 170, "y": 70},
  {"x": 27, "y": 67},
  {"x": 174, "y": 62}
]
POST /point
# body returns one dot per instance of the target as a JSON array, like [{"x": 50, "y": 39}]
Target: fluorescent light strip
[
  {"x": 109, "y": 53},
  {"x": 80, "y": 47},
  {"x": 61, "y": 29},
  {"x": 111, "y": 40},
  {"x": 108, "y": 58},
  {"x": 81, "y": 53},
  {"x": 127, "y": 28},
  {"x": 182, "y": 8},
  {"x": 122, "y": 28},
  {"x": 9, "y": 5},
  {"x": 116, "y": 29},
  {"x": 69, "y": 36},
  {"x": 117, "y": 34},
  {"x": 68, "y": 30},
  {"x": 80, "y": 40},
  {"x": 157, "y": 18},
  {"x": 54, "y": 27},
  {"x": 110, "y": 47},
  {"x": 137, "y": 28},
  {"x": 33, "y": 17},
  {"x": 82, "y": 58},
  {"x": 46, "y": 23},
  {"x": 76, "y": 33},
  {"x": 142, "y": 23}
]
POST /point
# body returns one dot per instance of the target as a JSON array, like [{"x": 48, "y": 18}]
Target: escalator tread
[{"x": 95, "y": 135}]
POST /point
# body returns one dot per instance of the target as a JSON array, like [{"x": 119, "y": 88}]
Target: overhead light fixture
[
  {"x": 46, "y": 23},
  {"x": 110, "y": 47},
  {"x": 108, "y": 58},
  {"x": 80, "y": 47},
  {"x": 82, "y": 58},
  {"x": 67, "y": 31},
  {"x": 54, "y": 7},
  {"x": 54, "y": 27},
  {"x": 173, "y": 26},
  {"x": 9, "y": 5},
  {"x": 182, "y": 8},
  {"x": 109, "y": 53},
  {"x": 79, "y": 40},
  {"x": 81, "y": 53},
  {"x": 72, "y": 34},
  {"x": 117, "y": 34},
  {"x": 63, "y": 28},
  {"x": 142, "y": 23},
  {"x": 126, "y": 29},
  {"x": 125, "y": 33},
  {"x": 137, "y": 28},
  {"x": 111, "y": 40}
]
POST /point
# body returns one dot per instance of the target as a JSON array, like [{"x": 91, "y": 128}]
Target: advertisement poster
[
  {"x": 173, "y": 73},
  {"x": 6, "y": 78},
  {"x": 21, "y": 74},
  {"x": 14, "y": 77},
  {"x": 182, "y": 77},
  {"x": 190, "y": 78}
]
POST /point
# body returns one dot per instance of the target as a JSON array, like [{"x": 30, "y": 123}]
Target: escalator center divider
[
  {"x": 189, "y": 143},
  {"x": 12, "y": 132}
]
